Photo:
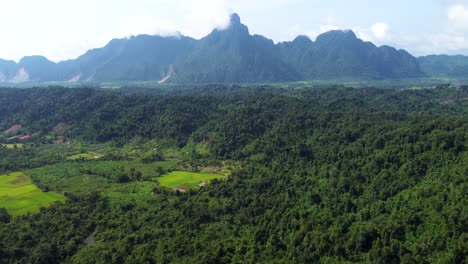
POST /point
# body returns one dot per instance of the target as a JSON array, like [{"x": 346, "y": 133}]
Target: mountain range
[{"x": 233, "y": 55}]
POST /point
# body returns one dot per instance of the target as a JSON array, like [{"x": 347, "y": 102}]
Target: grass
[
  {"x": 12, "y": 146},
  {"x": 18, "y": 195},
  {"x": 186, "y": 180}
]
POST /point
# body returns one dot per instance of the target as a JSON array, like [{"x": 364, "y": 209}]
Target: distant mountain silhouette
[
  {"x": 232, "y": 55},
  {"x": 445, "y": 66}
]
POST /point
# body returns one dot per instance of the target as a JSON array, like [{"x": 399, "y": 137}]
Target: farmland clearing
[
  {"x": 184, "y": 180},
  {"x": 18, "y": 195}
]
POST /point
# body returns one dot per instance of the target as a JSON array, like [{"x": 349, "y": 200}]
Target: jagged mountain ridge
[
  {"x": 231, "y": 55},
  {"x": 340, "y": 54}
]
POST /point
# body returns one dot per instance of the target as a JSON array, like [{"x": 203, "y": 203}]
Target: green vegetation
[
  {"x": 124, "y": 194},
  {"x": 148, "y": 170},
  {"x": 309, "y": 175},
  {"x": 187, "y": 180},
  {"x": 18, "y": 195},
  {"x": 13, "y": 146},
  {"x": 85, "y": 177},
  {"x": 86, "y": 156}
]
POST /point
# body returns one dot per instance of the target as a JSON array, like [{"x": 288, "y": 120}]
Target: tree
[{"x": 4, "y": 216}]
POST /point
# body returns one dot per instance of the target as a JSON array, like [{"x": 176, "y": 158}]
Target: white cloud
[
  {"x": 454, "y": 39},
  {"x": 451, "y": 40},
  {"x": 66, "y": 29},
  {"x": 453, "y": 2},
  {"x": 364, "y": 33},
  {"x": 63, "y": 30},
  {"x": 326, "y": 28},
  {"x": 380, "y": 30},
  {"x": 204, "y": 15},
  {"x": 457, "y": 15},
  {"x": 271, "y": 4},
  {"x": 144, "y": 24}
]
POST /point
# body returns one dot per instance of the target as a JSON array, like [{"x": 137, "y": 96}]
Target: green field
[
  {"x": 18, "y": 195},
  {"x": 12, "y": 146},
  {"x": 186, "y": 180}
]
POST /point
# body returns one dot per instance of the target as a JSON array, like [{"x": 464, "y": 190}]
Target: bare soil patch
[{"x": 18, "y": 180}]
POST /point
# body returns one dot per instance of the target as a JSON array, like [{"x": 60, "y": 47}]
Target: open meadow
[
  {"x": 186, "y": 180},
  {"x": 18, "y": 195}
]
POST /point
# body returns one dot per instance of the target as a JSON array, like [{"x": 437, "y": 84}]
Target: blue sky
[{"x": 65, "y": 29}]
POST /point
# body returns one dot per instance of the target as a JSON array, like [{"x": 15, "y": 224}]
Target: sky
[{"x": 65, "y": 29}]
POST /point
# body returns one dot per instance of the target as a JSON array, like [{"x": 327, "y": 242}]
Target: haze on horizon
[{"x": 63, "y": 30}]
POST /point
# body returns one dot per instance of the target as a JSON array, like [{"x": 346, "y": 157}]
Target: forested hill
[
  {"x": 231, "y": 55},
  {"x": 102, "y": 115},
  {"x": 331, "y": 175}
]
